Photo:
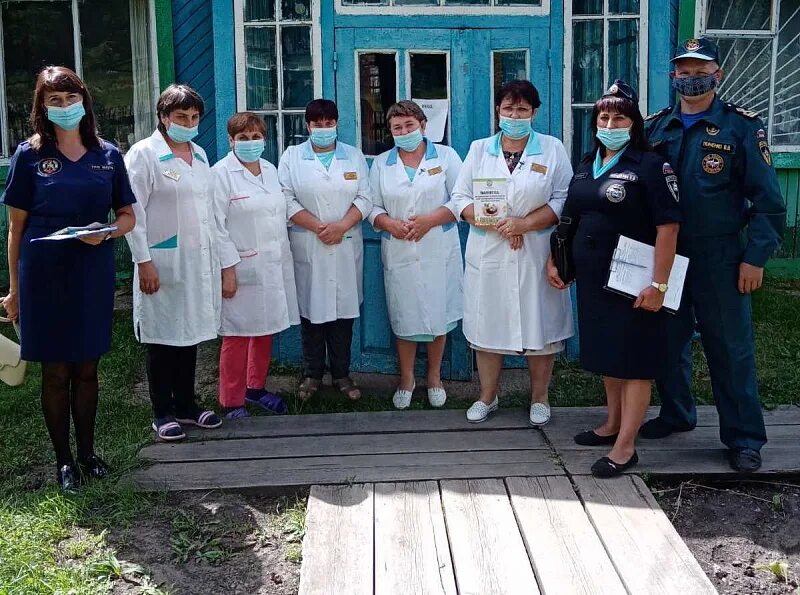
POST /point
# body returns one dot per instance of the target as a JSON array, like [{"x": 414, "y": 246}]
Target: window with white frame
[
  {"x": 606, "y": 40},
  {"x": 105, "y": 41},
  {"x": 277, "y": 46},
  {"x": 759, "y": 52}
]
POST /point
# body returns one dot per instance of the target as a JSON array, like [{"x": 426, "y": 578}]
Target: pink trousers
[{"x": 243, "y": 364}]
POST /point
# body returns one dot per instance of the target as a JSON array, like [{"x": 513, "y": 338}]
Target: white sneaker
[
  {"x": 436, "y": 397},
  {"x": 540, "y": 414},
  {"x": 479, "y": 411},
  {"x": 402, "y": 398}
]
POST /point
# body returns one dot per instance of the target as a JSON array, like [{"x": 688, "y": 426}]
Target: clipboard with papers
[
  {"x": 632, "y": 267},
  {"x": 71, "y": 233}
]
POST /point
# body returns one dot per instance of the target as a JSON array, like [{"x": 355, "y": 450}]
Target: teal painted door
[{"x": 377, "y": 66}]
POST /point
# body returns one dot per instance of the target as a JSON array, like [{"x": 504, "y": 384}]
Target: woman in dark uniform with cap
[{"x": 621, "y": 188}]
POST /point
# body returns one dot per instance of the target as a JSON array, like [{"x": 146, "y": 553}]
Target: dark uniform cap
[
  {"x": 623, "y": 90},
  {"x": 701, "y": 48}
]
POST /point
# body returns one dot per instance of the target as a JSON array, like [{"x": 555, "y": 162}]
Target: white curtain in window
[{"x": 143, "y": 103}]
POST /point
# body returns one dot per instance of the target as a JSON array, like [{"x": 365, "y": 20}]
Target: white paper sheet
[
  {"x": 71, "y": 233},
  {"x": 436, "y": 111},
  {"x": 632, "y": 268}
]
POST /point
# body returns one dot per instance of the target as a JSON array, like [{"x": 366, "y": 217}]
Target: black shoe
[
  {"x": 744, "y": 460},
  {"x": 657, "y": 428},
  {"x": 67, "y": 477},
  {"x": 605, "y": 467},
  {"x": 591, "y": 438},
  {"x": 95, "y": 468}
]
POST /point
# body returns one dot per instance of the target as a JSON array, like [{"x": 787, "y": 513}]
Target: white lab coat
[
  {"x": 175, "y": 230},
  {"x": 250, "y": 213},
  {"x": 508, "y": 304},
  {"x": 423, "y": 280},
  {"x": 329, "y": 278}
]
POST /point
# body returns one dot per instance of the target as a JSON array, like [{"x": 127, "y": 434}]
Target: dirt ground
[{"x": 736, "y": 529}]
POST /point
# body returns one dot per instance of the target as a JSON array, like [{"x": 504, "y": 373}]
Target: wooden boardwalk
[
  {"x": 494, "y": 537},
  {"x": 391, "y": 446}
]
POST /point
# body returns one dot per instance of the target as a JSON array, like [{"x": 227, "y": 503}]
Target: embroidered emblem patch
[
  {"x": 581, "y": 175},
  {"x": 764, "y": 148},
  {"x": 672, "y": 184},
  {"x": 713, "y": 163},
  {"x": 615, "y": 193},
  {"x": 692, "y": 45},
  {"x": 761, "y": 133},
  {"x": 48, "y": 167},
  {"x": 724, "y": 147},
  {"x": 712, "y": 130},
  {"x": 667, "y": 169},
  {"x": 628, "y": 176}
]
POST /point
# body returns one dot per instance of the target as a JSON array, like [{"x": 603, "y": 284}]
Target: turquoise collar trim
[
  {"x": 430, "y": 153},
  {"x": 168, "y": 156},
  {"x": 534, "y": 146},
  {"x": 308, "y": 151},
  {"x": 598, "y": 169}
]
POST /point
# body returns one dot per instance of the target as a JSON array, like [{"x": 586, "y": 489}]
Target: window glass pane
[
  {"x": 786, "y": 120},
  {"x": 365, "y": 2},
  {"x": 738, "y": 14},
  {"x": 298, "y": 72},
  {"x": 623, "y": 6},
  {"x": 587, "y": 6},
  {"x": 271, "y": 149},
  {"x": 294, "y": 129},
  {"x": 508, "y": 66},
  {"x": 259, "y": 10},
  {"x": 35, "y": 34},
  {"x": 416, "y": 2},
  {"x": 518, "y": 3},
  {"x": 581, "y": 133},
  {"x": 747, "y": 65},
  {"x": 467, "y": 2},
  {"x": 587, "y": 61},
  {"x": 378, "y": 88},
  {"x": 623, "y": 51},
  {"x": 108, "y": 67},
  {"x": 261, "y": 71},
  {"x": 296, "y": 10}
]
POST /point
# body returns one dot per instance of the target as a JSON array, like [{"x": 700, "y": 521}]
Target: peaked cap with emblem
[
  {"x": 622, "y": 90},
  {"x": 701, "y": 48}
]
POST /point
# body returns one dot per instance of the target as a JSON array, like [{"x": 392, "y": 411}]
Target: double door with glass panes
[{"x": 456, "y": 70}]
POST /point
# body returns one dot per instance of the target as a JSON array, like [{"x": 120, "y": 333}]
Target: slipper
[
  {"x": 347, "y": 387},
  {"x": 268, "y": 402},
  {"x": 168, "y": 430},
  {"x": 202, "y": 419},
  {"x": 237, "y": 413},
  {"x": 308, "y": 387}
]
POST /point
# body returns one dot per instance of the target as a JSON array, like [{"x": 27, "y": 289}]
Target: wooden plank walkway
[
  {"x": 391, "y": 446},
  {"x": 494, "y": 536}
]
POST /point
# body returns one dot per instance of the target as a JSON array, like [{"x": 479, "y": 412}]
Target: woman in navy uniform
[
  {"x": 62, "y": 292},
  {"x": 620, "y": 188}
]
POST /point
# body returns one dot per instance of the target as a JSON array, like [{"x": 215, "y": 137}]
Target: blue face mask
[
  {"x": 409, "y": 142},
  {"x": 323, "y": 137},
  {"x": 248, "y": 151},
  {"x": 515, "y": 128},
  {"x": 614, "y": 138},
  {"x": 66, "y": 118},
  {"x": 181, "y": 134}
]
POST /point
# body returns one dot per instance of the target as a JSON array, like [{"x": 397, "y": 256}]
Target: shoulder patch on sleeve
[
  {"x": 658, "y": 114},
  {"x": 749, "y": 114}
]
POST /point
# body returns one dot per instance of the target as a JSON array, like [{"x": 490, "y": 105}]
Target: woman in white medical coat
[
  {"x": 258, "y": 289},
  {"x": 176, "y": 284},
  {"x": 420, "y": 249},
  {"x": 326, "y": 186},
  {"x": 509, "y": 307}
]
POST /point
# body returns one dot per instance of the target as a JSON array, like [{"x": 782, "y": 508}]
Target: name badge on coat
[
  {"x": 539, "y": 168},
  {"x": 172, "y": 174},
  {"x": 350, "y": 175},
  {"x": 435, "y": 170}
]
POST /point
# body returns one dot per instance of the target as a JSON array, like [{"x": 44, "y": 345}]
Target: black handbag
[{"x": 561, "y": 249}]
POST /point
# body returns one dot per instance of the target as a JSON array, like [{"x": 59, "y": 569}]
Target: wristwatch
[{"x": 662, "y": 287}]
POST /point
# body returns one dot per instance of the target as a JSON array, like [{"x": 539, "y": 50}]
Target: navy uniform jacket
[{"x": 726, "y": 176}]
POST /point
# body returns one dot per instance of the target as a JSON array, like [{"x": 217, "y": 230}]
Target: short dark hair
[
  {"x": 177, "y": 97},
  {"x": 518, "y": 90},
  {"x": 407, "y": 109},
  {"x": 244, "y": 122},
  {"x": 321, "y": 109},
  {"x": 625, "y": 107}
]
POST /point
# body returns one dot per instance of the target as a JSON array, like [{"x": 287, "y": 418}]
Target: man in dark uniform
[{"x": 724, "y": 167}]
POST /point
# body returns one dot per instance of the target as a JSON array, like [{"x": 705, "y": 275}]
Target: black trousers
[
  {"x": 170, "y": 376},
  {"x": 333, "y": 337}
]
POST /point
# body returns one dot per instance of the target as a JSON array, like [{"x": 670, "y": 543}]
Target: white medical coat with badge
[
  {"x": 329, "y": 278},
  {"x": 175, "y": 229},
  {"x": 508, "y": 304},
  {"x": 424, "y": 279},
  {"x": 250, "y": 213}
]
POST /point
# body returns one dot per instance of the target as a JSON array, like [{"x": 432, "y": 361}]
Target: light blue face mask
[
  {"x": 248, "y": 151},
  {"x": 515, "y": 128},
  {"x": 323, "y": 137},
  {"x": 181, "y": 134},
  {"x": 409, "y": 142},
  {"x": 66, "y": 118},
  {"x": 614, "y": 138}
]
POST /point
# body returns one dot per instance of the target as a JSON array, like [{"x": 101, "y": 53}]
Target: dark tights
[{"x": 70, "y": 388}]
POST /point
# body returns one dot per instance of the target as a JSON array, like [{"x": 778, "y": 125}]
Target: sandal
[
  {"x": 308, "y": 387},
  {"x": 348, "y": 388},
  {"x": 202, "y": 419},
  {"x": 168, "y": 430}
]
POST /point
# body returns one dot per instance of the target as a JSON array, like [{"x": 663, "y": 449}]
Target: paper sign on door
[{"x": 436, "y": 111}]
